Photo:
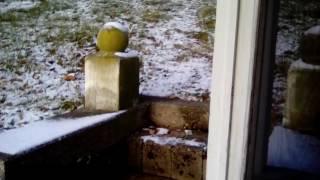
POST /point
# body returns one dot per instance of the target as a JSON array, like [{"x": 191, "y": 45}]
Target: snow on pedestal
[
  {"x": 303, "y": 97},
  {"x": 310, "y": 45}
]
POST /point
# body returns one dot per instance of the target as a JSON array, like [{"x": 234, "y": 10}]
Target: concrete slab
[{"x": 72, "y": 145}]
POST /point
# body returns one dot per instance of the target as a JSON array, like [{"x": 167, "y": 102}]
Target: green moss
[
  {"x": 154, "y": 16},
  {"x": 9, "y": 17},
  {"x": 10, "y": 67},
  {"x": 201, "y": 36},
  {"x": 69, "y": 105},
  {"x": 207, "y": 17},
  {"x": 110, "y": 9},
  {"x": 183, "y": 57},
  {"x": 85, "y": 34},
  {"x": 155, "y": 2},
  {"x": 82, "y": 35},
  {"x": 60, "y": 62},
  {"x": 25, "y": 14}
]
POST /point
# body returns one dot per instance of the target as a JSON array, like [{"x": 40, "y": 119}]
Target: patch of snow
[
  {"x": 116, "y": 25},
  {"x": 17, "y": 5},
  {"x": 188, "y": 132},
  {"x": 22, "y": 139},
  {"x": 313, "y": 31},
  {"x": 300, "y": 65},
  {"x": 163, "y": 140},
  {"x": 286, "y": 43},
  {"x": 130, "y": 54},
  {"x": 162, "y": 131}
]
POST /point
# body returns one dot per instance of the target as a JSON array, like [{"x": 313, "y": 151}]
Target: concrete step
[
  {"x": 175, "y": 154},
  {"x": 178, "y": 114},
  {"x": 80, "y": 145}
]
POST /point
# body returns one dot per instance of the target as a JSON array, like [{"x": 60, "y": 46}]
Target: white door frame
[{"x": 234, "y": 58}]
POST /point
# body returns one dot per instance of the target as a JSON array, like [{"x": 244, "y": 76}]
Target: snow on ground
[
  {"x": 162, "y": 131},
  {"x": 17, "y": 5},
  {"x": 181, "y": 65},
  {"x": 43, "y": 45}
]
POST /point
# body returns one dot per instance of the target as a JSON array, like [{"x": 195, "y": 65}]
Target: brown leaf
[{"x": 70, "y": 77}]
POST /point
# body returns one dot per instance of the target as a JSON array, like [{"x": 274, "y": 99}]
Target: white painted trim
[
  {"x": 234, "y": 54},
  {"x": 243, "y": 86},
  {"x": 222, "y": 83}
]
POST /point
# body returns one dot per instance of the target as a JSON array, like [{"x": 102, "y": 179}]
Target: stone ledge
[
  {"x": 178, "y": 114},
  {"x": 76, "y": 153}
]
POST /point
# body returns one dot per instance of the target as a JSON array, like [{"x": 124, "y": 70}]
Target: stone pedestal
[
  {"x": 303, "y": 97},
  {"x": 111, "y": 81}
]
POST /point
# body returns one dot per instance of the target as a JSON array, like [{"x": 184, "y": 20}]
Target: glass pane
[{"x": 294, "y": 142}]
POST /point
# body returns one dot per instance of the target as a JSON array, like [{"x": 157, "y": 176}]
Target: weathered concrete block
[
  {"x": 180, "y": 114},
  {"x": 303, "y": 97},
  {"x": 204, "y": 170},
  {"x": 2, "y": 170},
  {"x": 172, "y": 156},
  {"x": 80, "y": 144},
  {"x": 187, "y": 163},
  {"x": 111, "y": 81},
  {"x": 310, "y": 45},
  {"x": 157, "y": 159}
]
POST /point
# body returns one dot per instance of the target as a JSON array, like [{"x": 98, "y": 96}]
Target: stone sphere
[
  {"x": 113, "y": 37},
  {"x": 310, "y": 46}
]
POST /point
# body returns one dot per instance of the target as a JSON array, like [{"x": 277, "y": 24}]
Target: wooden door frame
[{"x": 241, "y": 88}]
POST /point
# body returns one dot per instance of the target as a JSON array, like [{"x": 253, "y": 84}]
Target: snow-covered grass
[
  {"x": 43, "y": 42},
  {"x": 17, "y": 5}
]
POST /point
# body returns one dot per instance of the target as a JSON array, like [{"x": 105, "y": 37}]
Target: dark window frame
[{"x": 260, "y": 116}]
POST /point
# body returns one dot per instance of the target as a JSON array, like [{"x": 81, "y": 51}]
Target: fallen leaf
[{"x": 70, "y": 77}]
